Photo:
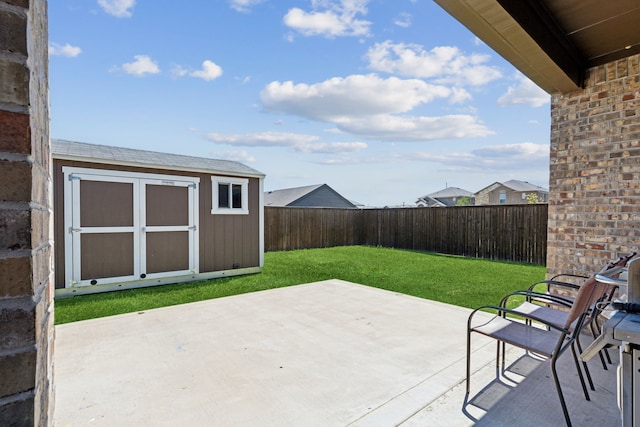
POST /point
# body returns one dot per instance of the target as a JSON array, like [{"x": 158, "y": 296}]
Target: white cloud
[
  {"x": 332, "y": 147},
  {"x": 142, "y": 65},
  {"x": 243, "y": 6},
  {"x": 118, "y": 8},
  {"x": 509, "y": 157},
  {"x": 444, "y": 64},
  {"x": 179, "y": 71},
  {"x": 403, "y": 20},
  {"x": 66, "y": 50},
  {"x": 524, "y": 150},
  {"x": 330, "y": 19},
  {"x": 522, "y": 156},
  {"x": 210, "y": 71},
  {"x": 298, "y": 142},
  {"x": 235, "y": 155},
  {"x": 419, "y": 128},
  {"x": 244, "y": 80},
  {"x": 525, "y": 92},
  {"x": 355, "y": 95},
  {"x": 373, "y": 107},
  {"x": 459, "y": 95}
]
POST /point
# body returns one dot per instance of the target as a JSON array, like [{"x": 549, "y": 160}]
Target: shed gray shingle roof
[{"x": 129, "y": 156}]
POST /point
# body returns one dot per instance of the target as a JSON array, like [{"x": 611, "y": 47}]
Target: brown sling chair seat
[
  {"x": 543, "y": 337},
  {"x": 554, "y": 307}
]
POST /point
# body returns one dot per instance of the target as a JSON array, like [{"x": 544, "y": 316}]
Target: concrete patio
[{"x": 329, "y": 353}]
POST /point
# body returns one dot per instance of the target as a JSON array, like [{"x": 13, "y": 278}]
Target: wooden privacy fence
[{"x": 506, "y": 232}]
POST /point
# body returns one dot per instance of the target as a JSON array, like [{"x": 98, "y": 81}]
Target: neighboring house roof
[
  {"x": 444, "y": 197},
  {"x": 320, "y": 195},
  {"x": 515, "y": 185},
  {"x": 430, "y": 202},
  {"x": 81, "y": 151},
  {"x": 451, "y": 192}
]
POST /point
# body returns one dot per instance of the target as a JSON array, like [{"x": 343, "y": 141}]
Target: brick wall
[
  {"x": 26, "y": 285},
  {"x": 594, "y": 200}
]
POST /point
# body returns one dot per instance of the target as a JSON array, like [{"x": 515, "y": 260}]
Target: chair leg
[
  {"x": 468, "y": 360},
  {"x": 577, "y": 363},
  {"x": 565, "y": 411},
  {"x": 586, "y": 368},
  {"x": 500, "y": 370}
]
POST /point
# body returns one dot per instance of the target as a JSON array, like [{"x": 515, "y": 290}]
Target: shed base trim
[{"x": 86, "y": 290}]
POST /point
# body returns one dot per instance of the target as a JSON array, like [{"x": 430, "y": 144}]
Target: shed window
[
  {"x": 230, "y": 195},
  {"x": 223, "y": 196}
]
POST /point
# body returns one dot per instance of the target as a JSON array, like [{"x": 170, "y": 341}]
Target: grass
[{"x": 455, "y": 280}]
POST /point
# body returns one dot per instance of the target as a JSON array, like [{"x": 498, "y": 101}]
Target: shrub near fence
[{"x": 506, "y": 232}]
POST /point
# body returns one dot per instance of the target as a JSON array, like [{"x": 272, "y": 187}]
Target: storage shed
[{"x": 127, "y": 218}]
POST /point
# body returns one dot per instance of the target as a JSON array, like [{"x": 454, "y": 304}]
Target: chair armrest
[
  {"x": 575, "y": 276},
  {"x": 503, "y": 312},
  {"x": 558, "y": 283},
  {"x": 545, "y": 298}
]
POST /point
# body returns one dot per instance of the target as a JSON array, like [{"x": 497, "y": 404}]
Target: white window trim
[{"x": 243, "y": 182}]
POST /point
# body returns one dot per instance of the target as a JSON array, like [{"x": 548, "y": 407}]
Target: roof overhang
[{"x": 553, "y": 42}]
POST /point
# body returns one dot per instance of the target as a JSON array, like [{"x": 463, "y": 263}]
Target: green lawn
[{"x": 455, "y": 280}]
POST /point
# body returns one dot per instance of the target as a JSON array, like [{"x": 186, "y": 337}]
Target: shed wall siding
[
  {"x": 594, "y": 203},
  {"x": 225, "y": 241}
]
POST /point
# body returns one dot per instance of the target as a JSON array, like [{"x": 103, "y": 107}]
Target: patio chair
[
  {"x": 566, "y": 287},
  {"x": 524, "y": 330},
  {"x": 554, "y": 307}
]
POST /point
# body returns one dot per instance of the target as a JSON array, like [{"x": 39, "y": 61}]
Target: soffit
[{"x": 553, "y": 42}]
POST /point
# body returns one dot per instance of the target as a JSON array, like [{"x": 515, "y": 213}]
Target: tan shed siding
[
  {"x": 239, "y": 244},
  {"x": 225, "y": 240},
  {"x": 594, "y": 200}
]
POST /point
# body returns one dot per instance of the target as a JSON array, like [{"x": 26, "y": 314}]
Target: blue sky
[{"x": 383, "y": 100}]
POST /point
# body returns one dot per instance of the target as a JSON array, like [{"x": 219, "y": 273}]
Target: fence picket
[{"x": 505, "y": 232}]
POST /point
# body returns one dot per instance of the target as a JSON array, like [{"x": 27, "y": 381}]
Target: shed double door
[{"x": 128, "y": 227}]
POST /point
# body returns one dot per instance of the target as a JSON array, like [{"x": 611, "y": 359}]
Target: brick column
[
  {"x": 26, "y": 285},
  {"x": 594, "y": 200}
]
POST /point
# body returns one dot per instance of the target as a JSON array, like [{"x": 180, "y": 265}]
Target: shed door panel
[
  {"x": 167, "y": 251},
  {"x": 169, "y": 228},
  {"x": 106, "y": 204},
  {"x": 125, "y": 227},
  {"x": 167, "y": 205},
  {"x": 106, "y": 255}
]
